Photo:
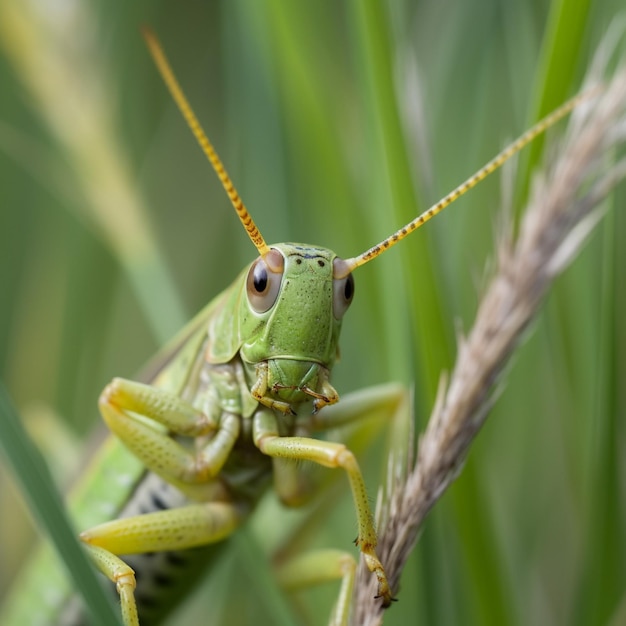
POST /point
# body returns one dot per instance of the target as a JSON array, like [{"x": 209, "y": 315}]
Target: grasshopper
[{"x": 234, "y": 405}]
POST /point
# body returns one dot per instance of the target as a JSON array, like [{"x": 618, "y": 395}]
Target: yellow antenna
[
  {"x": 185, "y": 108},
  {"x": 350, "y": 264}
]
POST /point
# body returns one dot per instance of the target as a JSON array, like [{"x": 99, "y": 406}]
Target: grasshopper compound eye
[
  {"x": 343, "y": 289},
  {"x": 264, "y": 279}
]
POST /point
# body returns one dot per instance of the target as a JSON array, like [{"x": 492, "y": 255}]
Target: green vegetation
[{"x": 338, "y": 122}]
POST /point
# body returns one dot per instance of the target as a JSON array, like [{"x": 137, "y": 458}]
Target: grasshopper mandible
[{"x": 237, "y": 401}]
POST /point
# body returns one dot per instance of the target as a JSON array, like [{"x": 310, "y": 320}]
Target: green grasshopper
[{"x": 234, "y": 405}]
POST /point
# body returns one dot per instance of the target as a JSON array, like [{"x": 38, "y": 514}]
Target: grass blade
[{"x": 45, "y": 504}]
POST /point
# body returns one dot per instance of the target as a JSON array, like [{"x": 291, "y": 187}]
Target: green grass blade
[
  {"x": 562, "y": 47},
  {"x": 45, "y": 504},
  {"x": 374, "y": 45}
]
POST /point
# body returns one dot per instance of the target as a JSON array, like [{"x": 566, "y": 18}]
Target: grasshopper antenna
[
  {"x": 167, "y": 74},
  {"x": 513, "y": 148}
]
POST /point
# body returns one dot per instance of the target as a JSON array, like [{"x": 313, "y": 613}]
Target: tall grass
[{"x": 338, "y": 122}]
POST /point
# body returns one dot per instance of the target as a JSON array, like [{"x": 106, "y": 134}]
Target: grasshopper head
[{"x": 290, "y": 319}]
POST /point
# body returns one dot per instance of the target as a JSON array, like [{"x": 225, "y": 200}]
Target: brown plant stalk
[{"x": 563, "y": 209}]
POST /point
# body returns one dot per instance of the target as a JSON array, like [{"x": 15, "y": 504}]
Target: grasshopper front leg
[
  {"x": 143, "y": 418},
  {"x": 166, "y": 412},
  {"x": 357, "y": 420},
  {"x": 332, "y": 455}
]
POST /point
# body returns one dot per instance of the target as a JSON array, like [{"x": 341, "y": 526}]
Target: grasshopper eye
[
  {"x": 263, "y": 282},
  {"x": 343, "y": 292}
]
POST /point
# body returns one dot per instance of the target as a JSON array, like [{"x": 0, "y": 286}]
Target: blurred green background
[{"x": 338, "y": 122}]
